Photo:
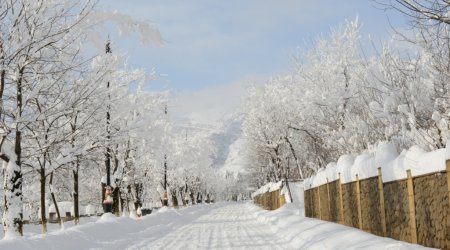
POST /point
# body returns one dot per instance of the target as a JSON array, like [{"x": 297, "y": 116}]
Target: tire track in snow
[{"x": 230, "y": 226}]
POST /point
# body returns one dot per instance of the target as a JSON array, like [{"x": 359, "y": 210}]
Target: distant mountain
[
  {"x": 236, "y": 160},
  {"x": 224, "y": 139}
]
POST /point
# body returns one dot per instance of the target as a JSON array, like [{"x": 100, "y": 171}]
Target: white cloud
[{"x": 211, "y": 105}]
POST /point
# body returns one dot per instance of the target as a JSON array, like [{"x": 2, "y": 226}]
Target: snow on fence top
[
  {"x": 269, "y": 187},
  {"x": 385, "y": 155}
]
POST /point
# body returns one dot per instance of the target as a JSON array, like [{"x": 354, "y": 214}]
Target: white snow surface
[
  {"x": 215, "y": 226},
  {"x": 269, "y": 187},
  {"x": 63, "y": 206},
  {"x": 385, "y": 156},
  {"x": 236, "y": 158}
]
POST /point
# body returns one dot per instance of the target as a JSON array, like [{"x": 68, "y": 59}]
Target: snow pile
[
  {"x": 107, "y": 218},
  {"x": 108, "y": 232},
  {"x": 91, "y": 210},
  {"x": 343, "y": 167},
  {"x": 63, "y": 206},
  {"x": 81, "y": 210},
  {"x": 298, "y": 232},
  {"x": 269, "y": 187},
  {"x": 297, "y": 193},
  {"x": 384, "y": 155}
]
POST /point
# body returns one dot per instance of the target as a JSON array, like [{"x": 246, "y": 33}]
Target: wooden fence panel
[
  {"x": 335, "y": 206},
  {"x": 324, "y": 204},
  {"x": 350, "y": 204},
  {"x": 308, "y": 200},
  {"x": 370, "y": 206},
  {"x": 432, "y": 210},
  {"x": 315, "y": 203},
  {"x": 416, "y": 209},
  {"x": 270, "y": 200},
  {"x": 397, "y": 212}
]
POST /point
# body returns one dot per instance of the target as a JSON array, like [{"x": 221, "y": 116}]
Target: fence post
[
  {"x": 311, "y": 200},
  {"x": 341, "y": 201},
  {"x": 382, "y": 208},
  {"x": 277, "y": 199},
  {"x": 358, "y": 202},
  {"x": 318, "y": 199},
  {"x": 412, "y": 210},
  {"x": 448, "y": 179},
  {"x": 329, "y": 202}
]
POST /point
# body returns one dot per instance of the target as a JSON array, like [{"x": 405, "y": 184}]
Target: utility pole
[
  {"x": 107, "y": 203},
  {"x": 165, "y": 200}
]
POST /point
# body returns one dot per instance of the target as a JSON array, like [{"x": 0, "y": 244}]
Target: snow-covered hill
[
  {"x": 224, "y": 139},
  {"x": 236, "y": 160}
]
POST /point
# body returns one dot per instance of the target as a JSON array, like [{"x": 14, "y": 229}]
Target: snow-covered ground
[{"x": 215, "y": 226}]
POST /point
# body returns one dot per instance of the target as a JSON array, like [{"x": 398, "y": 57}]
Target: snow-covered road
[
  {"x": 214, "y": 226},
  {"x": 226, "y": 227}
]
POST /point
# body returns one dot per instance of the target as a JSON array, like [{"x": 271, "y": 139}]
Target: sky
[{"x": 212, "y": 50}]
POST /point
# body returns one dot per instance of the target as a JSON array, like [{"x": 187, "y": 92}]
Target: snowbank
[
  {"x": 343, "y": 167},
  {"x": 269, "y": 187},
  {"x": 107, "y": 218},
  {"x": 385, "y": 156},
  {"x": 107, "y": 232},
  {"x": 307, "y": 233},
  {"x": 219, "y": 225},
  {"x": 90, "y": 210},
  {"x": 63, "y": 206}
]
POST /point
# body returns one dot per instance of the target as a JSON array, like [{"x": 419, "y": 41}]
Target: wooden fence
[
  {"x": 415, "y": 209},
  {"x": 270, "y": 200}
]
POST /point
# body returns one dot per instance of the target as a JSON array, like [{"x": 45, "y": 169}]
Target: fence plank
[
  {"x": 358, "y": 202},
  {"x": 448, "y": 180},
  {"x": 328, "y": 200},
  {"x": 311, "y": 201},
  {"x": 382, "y": 208},
  {"x": 412, "y": 209},
  {"x": 341, "y": 200},
  {"x": 318, "y": 198}
]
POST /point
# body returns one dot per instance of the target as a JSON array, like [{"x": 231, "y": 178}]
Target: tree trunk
[
  {"x": 183, "y": 195},
  {"x": 12, "y": 218},
  {"x": 103, "y": 188},
  {"x": 13, "y": 196},
  {"x": 138, "y": 201},
  {"x": 108, "y": 209},
  {"x": 174, "y": 198},
  {"x": 43, "y": 211},
  {"x": 199, "y": 198},
  {"x": 191, "y": 194},
  {"x": 300, "y": 172},
  {"x": 286, "y": 175},
  {"x": 2, "y": 79},
  {"x": 122, "y": 201},
  {"x": 76, "y": 204},
  {"x": 116, "y": 202},
  {"x": 54, "y": 201}
]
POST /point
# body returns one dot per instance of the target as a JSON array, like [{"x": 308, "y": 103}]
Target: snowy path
[
  {"x": 228, "y": 227},
  {"x": 215, "y": 226}
]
